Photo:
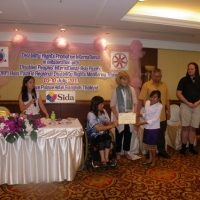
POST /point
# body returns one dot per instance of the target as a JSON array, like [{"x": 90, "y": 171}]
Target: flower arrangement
[{"x": 17, "y": 125}]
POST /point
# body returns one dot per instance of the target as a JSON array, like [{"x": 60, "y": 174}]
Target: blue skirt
[{"x": 150, "y": 136}]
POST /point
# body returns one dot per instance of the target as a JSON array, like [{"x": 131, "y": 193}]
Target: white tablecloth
[{"x": 56, "y": 156}]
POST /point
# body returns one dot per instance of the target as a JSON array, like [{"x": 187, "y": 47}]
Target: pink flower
[
  {"x": 15, "y": 115},
  {"x": 16, "y": 125},
  {"x": 23, "y": 116}
]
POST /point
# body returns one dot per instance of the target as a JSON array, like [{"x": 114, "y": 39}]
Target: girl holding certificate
[
  {"x": 123, "y": 100},
  {"x": 152, "y": 111}
]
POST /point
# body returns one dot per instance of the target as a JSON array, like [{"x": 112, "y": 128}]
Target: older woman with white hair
[{"x": 123, "y": 100}]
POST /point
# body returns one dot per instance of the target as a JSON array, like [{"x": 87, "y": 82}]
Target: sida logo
[
  {"x": 67, "y": 97},
  {"x": 51, "y": 97},
  {"x": 3, "y": 56},
  {"x": 60, "y": 97}
]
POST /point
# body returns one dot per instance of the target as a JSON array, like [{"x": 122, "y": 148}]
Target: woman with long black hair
[
  {"x": 98, "y": 124},
  {"x": 30, "y": 100},
  {"x": 188, "y": 92}
]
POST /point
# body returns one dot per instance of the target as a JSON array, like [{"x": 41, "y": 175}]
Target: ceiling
[{"x": 102, "y": 18}]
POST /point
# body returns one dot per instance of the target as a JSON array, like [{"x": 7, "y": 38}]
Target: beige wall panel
[{"x": 174, "y": 66}]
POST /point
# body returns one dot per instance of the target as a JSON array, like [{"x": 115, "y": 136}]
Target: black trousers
[
  {"x": 127, "y": 138},
  {"x": 161, "y": 137},
  {"x": 103, "y": 141}
]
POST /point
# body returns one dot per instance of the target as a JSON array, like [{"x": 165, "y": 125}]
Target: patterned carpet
[{"x": 177, "y": 178}]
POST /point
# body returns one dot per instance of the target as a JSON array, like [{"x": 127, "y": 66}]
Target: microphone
[{"x": 33, "y": 97}]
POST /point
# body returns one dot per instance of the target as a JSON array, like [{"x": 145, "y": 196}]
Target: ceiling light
[
  {"x": 141, "y": 0},
  {"x": 62, "y": 29},
  {"x": 16, "y": 29},
  {"x": 60, "y": 43},
  {"x": 100, "y": 43}
]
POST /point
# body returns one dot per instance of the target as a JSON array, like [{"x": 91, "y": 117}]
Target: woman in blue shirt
[{"x": 98, "y": 124}]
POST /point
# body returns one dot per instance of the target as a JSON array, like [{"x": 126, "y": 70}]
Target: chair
[
  {"x": 91, "y": 152},
  {"x": 4, "y": 111},
  {"x": 173, "y": 131}
]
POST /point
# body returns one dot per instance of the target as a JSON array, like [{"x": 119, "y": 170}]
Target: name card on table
[{"x": 127, "y": 118}]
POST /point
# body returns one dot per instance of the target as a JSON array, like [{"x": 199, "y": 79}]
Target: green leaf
[
  {"x": 22, "y": 135},
  {"x": 11, "y": 138},
  {"x": 11, "y": 118},
  {"x": 33, "y": 136}
]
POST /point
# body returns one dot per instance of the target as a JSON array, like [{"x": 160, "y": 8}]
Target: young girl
[
  {"x": 29, "y": 100},
  {"x": 98, "y": 122},
  {"x": 151, "y": 124}
]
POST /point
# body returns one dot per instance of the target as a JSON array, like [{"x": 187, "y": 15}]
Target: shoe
[
  {"x": 164, "y": 155},
  {"x": 146, "y": 163},
  {"x": 191, "y": 149},
  {"x": 111, "y": 164},
  {"x": 103, "y": 164},
  {"x": 127, "y": 156},
  {"x": 182, "y": 151},
  {"x": 151, "y": 167},
  {"x": 193, "y": 152}
]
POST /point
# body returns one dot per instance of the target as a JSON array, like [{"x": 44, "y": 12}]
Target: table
[{"x": 56, "y": 156}]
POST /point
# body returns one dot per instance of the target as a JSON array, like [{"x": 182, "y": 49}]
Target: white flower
[
  {"x": 2, "y": 126},
  {"x": 29, "y": 127},
  {"x": 6, "y": 118}
]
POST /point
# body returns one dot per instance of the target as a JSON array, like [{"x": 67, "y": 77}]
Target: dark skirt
[{"x": 150, "y": 139}]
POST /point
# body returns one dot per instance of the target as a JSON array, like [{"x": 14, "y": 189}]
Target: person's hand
[
  {"x": 47, "y": 116},
  {"x": 195, "y": 104},
  {"x": 115, "y": 123},
  {"x": 137, "y": 124},
  {"x": 32, "y": 101},
  {"x": 190, "y": 105},
  {"x": 168, "y": 116},
  {"x": 138, "y": 115}
]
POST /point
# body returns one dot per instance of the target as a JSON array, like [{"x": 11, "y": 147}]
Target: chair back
[
  {"x": 4, "y": 111},
  {"x": 175, "y": 116}
]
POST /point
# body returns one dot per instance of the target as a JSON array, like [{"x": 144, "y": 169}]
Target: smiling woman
[{"x": 30, "y": 101}]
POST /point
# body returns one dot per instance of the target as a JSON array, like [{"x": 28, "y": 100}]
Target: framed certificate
[{"x": 126, "y": 118}]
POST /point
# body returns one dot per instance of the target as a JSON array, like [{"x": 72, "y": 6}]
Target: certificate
[{"x": 126, "y": 118}]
